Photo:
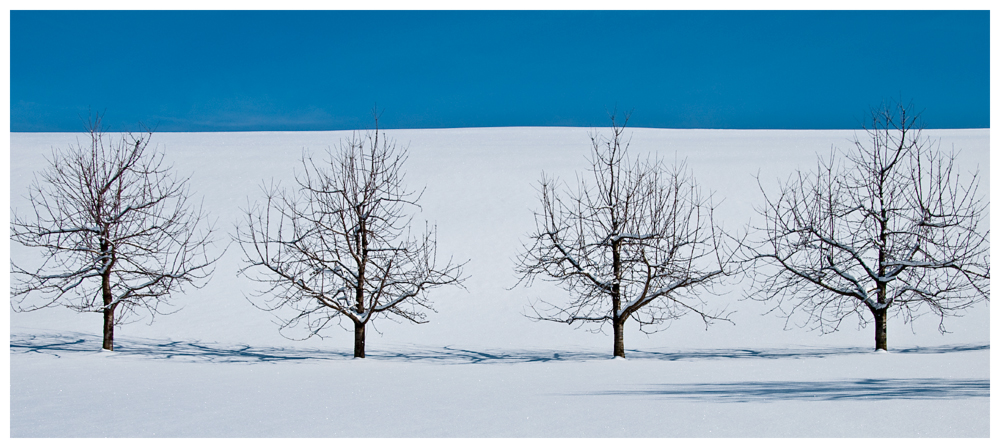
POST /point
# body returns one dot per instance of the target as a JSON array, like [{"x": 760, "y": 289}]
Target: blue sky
[{"x": 325, "y": 70}]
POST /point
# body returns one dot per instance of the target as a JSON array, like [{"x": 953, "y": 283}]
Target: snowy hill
[{"x": 480, "y": 194}]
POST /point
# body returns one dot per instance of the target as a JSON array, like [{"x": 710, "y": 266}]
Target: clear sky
[{"x": 325, "y": 70}]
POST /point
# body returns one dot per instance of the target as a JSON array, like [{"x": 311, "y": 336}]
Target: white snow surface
[{"x": 217, "y": 367}]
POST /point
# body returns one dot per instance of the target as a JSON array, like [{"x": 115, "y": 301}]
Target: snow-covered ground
[{"x": 218, "y": 367}]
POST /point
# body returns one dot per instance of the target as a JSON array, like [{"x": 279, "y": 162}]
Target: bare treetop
[
  {"x": 115, "y": 229},
  {"x": 639, "y": 242},
  {"x": 891, "y": 224},
  {"x": 341, "y": 243}
]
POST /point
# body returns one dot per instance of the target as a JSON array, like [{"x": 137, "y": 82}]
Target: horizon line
[{"x": 493, "y": 127}]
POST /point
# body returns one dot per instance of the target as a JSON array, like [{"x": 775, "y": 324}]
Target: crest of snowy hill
[{"x": 480, "y": 193}]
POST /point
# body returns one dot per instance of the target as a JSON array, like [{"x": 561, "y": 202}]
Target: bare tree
[
  {"x": 116, "y": 232},
  {"x": 341, "y": 245},
  {"x": 638, "y": 243},
  {"x": 889, "y": 225}
]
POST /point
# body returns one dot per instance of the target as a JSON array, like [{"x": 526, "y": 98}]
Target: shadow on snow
[
  {"x": 197, "y": 351},
  {"x": 866, "y": 389}
]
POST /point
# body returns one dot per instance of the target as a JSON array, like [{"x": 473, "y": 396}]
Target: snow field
[
  {"x": 479, "y": 192},
  {"x": 794, "y": 395}
]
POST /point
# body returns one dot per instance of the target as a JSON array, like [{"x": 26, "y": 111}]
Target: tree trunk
[
  {"x": 619, "y": 326},
  {"x": 880, "y": 329},
  {"x": 109, "y": 312},
  {"x": 618, "y": 318},
  {"x": 109, "y": 329},
  {"x": 359, "y": 340}
]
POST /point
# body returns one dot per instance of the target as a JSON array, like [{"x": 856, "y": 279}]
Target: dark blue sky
[{"x": 325, "y": 70}]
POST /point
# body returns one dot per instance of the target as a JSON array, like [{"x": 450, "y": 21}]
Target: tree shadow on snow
[
  {"x": 197, "y": 351},
  {"x": 65, "y": 343},
  {"x": 865, "y": 389}
]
